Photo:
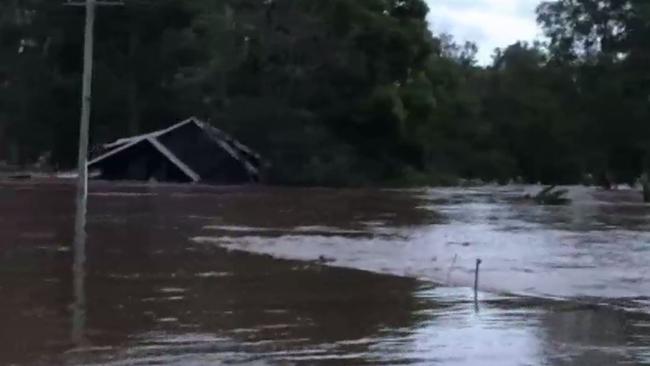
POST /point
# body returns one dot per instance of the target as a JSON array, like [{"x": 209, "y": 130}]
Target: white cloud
[{"x": 489, "y": 23}]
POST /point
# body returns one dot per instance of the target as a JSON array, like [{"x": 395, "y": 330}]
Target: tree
[{"x": 606, "y": 43}]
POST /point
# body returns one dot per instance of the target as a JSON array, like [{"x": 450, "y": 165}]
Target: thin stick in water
[
  {"x": 451, "y": 267},
  {"x": 478, "y": 263}
]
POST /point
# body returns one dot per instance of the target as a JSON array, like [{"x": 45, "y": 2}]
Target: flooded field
[{"x": 198, "y": 275}]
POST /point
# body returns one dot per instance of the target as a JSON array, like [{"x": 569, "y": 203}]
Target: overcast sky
[{"x": 488, "y": 23}]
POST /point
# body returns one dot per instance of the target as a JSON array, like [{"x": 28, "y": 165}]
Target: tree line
[{"x": 339, "y": 92}]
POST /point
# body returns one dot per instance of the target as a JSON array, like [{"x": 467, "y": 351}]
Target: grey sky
[{"x": 489, "y": 23}]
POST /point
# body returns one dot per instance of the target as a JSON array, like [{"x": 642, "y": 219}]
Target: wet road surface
[{"x": 199, "y": 275}]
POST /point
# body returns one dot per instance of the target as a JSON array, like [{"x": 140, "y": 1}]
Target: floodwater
[{"x": 191, "y": 275}]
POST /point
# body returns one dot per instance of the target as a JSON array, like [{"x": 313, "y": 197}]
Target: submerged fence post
[
  {"x": 478, "y": 263},
  {"x": 451, "y": 267}
]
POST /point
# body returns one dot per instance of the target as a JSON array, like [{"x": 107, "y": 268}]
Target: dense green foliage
[{"x": 339, "y": 91}]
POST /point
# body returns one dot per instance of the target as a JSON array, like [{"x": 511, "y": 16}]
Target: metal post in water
[{"x": 478, "y": 263}]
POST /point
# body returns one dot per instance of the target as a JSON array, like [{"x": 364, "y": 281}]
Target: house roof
[{"x": 225, "y": 141}]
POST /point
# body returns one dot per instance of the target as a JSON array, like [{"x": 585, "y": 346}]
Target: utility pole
[
  {"x": 79, "y": 306},
  {"x": 86, "y": 94}
]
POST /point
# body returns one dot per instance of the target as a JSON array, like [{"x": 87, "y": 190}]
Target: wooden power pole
[
  {"x": 79, "y": 306},
  {"x": 86, "y": 94}
]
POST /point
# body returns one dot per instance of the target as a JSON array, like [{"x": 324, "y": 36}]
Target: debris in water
[
  {"x": 323, "y": 259},
  {"x": 550, "y": 196}
]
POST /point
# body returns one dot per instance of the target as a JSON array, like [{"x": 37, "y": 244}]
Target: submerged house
[{"x": 189, "y": 151}]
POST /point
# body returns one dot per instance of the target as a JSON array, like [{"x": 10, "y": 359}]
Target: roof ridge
[{"x": 156, "y": 133}]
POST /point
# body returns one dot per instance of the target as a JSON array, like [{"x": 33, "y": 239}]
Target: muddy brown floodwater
[{"x": 191, "y": 275}]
